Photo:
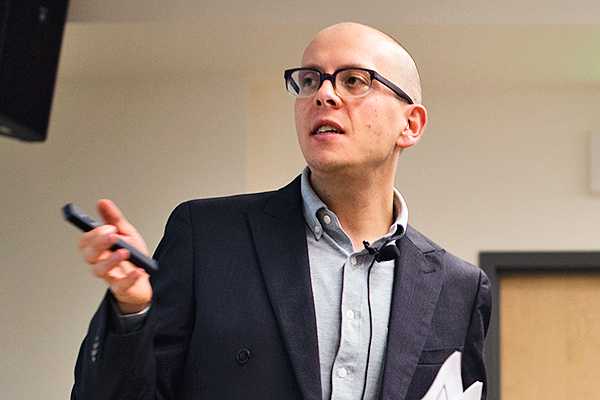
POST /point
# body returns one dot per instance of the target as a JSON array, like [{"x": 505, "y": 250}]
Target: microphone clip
[
  {"x": 370, "y": 249},
  {"x": 385, "y": 253}
]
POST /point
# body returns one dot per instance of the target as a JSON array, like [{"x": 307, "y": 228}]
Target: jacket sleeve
[
  {"x": 146, "y": 364},
  {"x": 473, "y": 368}
]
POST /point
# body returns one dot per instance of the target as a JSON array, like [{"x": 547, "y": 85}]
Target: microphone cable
[{"x": 384, "y": 253}]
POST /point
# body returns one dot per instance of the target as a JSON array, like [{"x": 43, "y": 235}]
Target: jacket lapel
[
  {"x": 417, "y": 284},
  {"x": 280, "y": 239}
]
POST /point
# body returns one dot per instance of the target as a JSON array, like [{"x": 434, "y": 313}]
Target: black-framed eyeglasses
[{"x": 347, "y": 82}]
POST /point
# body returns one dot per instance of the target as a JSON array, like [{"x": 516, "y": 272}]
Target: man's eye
[
  {"x": 356, "y": 80},
  {"x": 307, "y": 82}
]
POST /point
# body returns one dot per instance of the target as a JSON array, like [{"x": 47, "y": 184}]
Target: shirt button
[
  {"x": 342, "y": 372},
  {"x": 353, "y": 260},
  {"x": 317, "y": 229},
  {"x": 327, "y": 219},
  {"x": 350, "y": 314}
]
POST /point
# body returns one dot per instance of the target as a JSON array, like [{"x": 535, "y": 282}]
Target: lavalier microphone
[{"x": 384, "y": 253}]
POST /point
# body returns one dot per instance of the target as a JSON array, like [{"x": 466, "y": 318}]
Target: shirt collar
[{"x": 312, "y": 204}]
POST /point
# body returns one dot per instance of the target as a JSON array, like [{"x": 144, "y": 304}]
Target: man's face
[{"x": 351, "y": 134}]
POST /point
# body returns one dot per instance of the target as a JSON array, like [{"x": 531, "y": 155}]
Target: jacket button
[{"x": 243, "y": 356}]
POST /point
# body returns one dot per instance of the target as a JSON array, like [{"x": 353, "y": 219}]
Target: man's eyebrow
[
  {"x": 343, "y": 66},
  {"x": 312, "y": 66}
]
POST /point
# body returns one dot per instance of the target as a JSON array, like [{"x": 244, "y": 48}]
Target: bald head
[{"x": 390, "y": 58}]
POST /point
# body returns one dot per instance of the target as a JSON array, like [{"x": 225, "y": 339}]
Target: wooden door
[{"x": 550, "y": 336}]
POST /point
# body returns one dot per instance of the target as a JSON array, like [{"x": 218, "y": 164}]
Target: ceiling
[
  {"x": 466, "y": 42},
  {"x": 324, "y": 12}
]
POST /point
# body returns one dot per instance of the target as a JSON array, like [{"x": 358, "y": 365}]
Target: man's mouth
[{"x": 324, "y": 129}]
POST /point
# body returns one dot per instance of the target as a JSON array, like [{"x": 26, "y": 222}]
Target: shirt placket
[{"x": 348, "y": 370}]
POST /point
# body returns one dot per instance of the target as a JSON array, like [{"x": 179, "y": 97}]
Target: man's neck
[{"x": 363, "y": 204}]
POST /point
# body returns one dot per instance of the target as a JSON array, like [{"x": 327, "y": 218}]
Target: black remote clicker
[{"x": 80, "y": 219}]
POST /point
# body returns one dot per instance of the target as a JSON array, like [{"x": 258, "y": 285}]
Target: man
[{"x": 319, "y": 290}]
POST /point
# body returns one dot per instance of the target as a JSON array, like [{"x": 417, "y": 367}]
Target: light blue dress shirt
[{"x": 351, "y": 352}]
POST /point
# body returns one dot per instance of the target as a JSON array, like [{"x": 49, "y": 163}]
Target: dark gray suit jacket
[{"x": 233, "y": 314}]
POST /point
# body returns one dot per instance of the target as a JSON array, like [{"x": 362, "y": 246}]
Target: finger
[
  {"x": 112, "y": 215},
  {"x": 126, "y": 282},
  {"x": 94, "y": 245},
  {"x": 113, "y": 267}
]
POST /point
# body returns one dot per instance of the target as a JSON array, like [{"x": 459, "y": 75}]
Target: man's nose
[{"x": 326, "y": 93}]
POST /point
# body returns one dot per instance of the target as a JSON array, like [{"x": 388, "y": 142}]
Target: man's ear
[{"x": 415, "y": 125}]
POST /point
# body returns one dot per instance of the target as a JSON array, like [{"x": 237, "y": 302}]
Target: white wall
[
  {"x": 146, "y": 145},
  {"x": 499, "y": 167},
  {"x": 505, "y": 168},
  {"x": 274, "y": 156}
]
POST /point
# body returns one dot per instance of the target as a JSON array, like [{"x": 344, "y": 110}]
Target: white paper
[{"x": 447, "y": 384}]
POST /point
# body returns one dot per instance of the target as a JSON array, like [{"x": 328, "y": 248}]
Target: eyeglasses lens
[{"x": 347, "y": 82}]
